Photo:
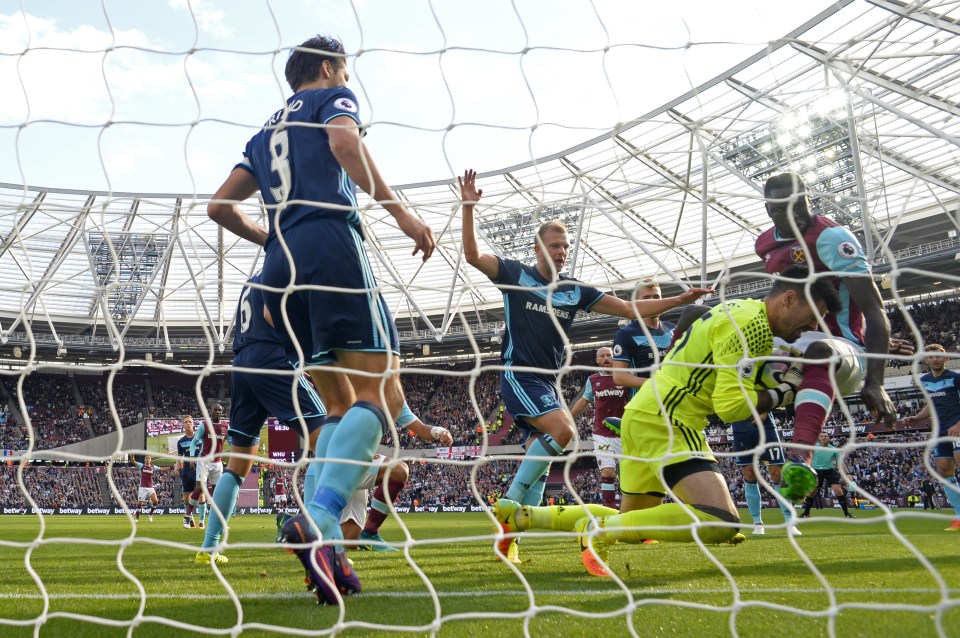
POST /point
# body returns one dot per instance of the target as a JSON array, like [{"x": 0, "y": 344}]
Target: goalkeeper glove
[
  {"x": 613, "y": 424},
  {"x": 785, "y": 392}
]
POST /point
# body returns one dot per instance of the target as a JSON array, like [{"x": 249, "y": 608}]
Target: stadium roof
[{"x": 870, "y": 121}]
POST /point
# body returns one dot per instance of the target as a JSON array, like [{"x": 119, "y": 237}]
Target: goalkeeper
[{"x": 714, "y": 368}]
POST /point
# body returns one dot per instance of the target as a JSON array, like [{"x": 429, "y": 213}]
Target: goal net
[{"x": 649, "y": 135}]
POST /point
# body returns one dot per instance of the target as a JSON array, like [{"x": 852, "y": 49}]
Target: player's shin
[
  {"x": 952, "y": 492},
  {"x": 814, "y": 400},
  {"x": 751, "y": 492},
  {"x": 672, "y": 522},
  {"x": 534, "y": 496},
  {"x": 531, "y": 469},
  {"x": 786, "y": 508},
  {"x": 561, "y": 518},
  {"x": 224, "y": 504},
  {"x": 312, "y": 476},
  {"x": 379, "y": 508},
  {"x": 356, "y": 438},
  {"x": 608, "y": 489}
]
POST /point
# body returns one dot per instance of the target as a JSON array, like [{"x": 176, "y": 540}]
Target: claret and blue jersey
[{"x": 835, "y": 249}]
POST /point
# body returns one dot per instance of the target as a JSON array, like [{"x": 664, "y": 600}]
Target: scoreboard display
[
  {"x": 278, "y": 442},
  {"x": 283, "y": 441}
]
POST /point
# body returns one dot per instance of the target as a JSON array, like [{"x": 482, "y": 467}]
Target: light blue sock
[
  {"x": 530, "y": 470},
  {"x": 319, "y": 452},
  {"x": 786, "y": 509},
  {"x": 751, "y": 492},
  {"x": 953, "y": 494},
  {"x": 202, "y": 510},
  {"x": 225, "y": 500},
  {"x": 356, "y": 438},
  {"x": 534, "y": 495}
]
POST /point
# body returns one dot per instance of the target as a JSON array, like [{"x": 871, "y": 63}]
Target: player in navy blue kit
[
  {"x": 943, "y": 390},
  {"x": 634, "y": 351},
  {"x": 536, "y": 300},
  {"x": 306, "y": 162},
  {"x": 185, "y": 467},
  {"x": 256, "y": 346}
]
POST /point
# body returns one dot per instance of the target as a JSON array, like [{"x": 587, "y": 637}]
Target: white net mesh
[{"x": 118, "y": 295}]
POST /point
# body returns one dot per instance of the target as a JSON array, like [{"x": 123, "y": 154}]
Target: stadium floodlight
[
  {"x": 61, "y": 350},
  {"x": 814, "y": 142}
]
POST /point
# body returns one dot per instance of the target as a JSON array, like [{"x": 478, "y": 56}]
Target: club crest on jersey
[
  {"x": 847, "y": 250},
  {"x": 549, "y": 400},
  {"x": 797, "y": 254},
  {"x": 346, "y": 104}
]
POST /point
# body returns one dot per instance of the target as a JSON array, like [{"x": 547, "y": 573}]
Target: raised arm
[
  {"x": 610, "y": 305},
  {"x": 240, "y": 185},
  {"x": 351, "y": 153},
  {"x": 470, "y": 195}
]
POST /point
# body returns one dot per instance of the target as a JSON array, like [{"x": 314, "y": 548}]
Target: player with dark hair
[
  {"x": 942, "y": 387},
  {"x": 540, "y": 305},
  {"x": 187, "y": 467},
  {"x": 826, "y": 463},
  {"x": 256, "y": 396},
  {"x": 608, "y": 399},
  {"x": 307, "y": 162},
  {"x": 715, "y": 368},
  {"x": 801, "y": 238}
]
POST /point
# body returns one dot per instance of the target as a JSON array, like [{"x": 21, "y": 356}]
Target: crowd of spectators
[
  {"x": 50, "y": 401},
  {"x": 938, "y": 322},
  {"x": 51, "y": 486}
]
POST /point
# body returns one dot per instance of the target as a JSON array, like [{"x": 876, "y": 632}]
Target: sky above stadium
[{"x": 160, "y": 96}]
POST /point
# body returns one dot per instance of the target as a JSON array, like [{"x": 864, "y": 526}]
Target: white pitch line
[{"x": 640, "y": 593}]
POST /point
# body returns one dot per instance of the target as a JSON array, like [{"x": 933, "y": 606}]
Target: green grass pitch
[{"x": 879, "y": 586}]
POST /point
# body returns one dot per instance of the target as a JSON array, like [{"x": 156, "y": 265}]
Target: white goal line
[{"x": 488, "y": 594}]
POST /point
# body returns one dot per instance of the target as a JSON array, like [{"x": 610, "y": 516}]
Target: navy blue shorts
[
  {"x": 746, "y": 438},
  {"x": 257, "y": 396},
  {"x": 526, "y": 394},
  {"x": 945, "y": 449},
  {"x": 188, "y": 482},
  {"x": 327, "y": 252}
]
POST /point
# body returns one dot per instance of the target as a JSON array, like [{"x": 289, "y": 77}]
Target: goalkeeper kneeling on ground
[{"x": 664, "y": 422}]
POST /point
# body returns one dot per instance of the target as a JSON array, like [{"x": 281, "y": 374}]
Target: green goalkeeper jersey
[{"x": 713, "y": 368}]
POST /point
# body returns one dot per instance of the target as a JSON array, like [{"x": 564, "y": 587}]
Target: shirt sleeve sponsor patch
[
  {"x": 848, "y": 250},
  {"x": 346, "y": 104}
]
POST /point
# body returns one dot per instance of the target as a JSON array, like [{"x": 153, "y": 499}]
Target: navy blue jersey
[
  {"x": 633, "y": 346},
  {"x": 292, "y": 160},
  {"x": 944, "y": 397},
  {"x": 183, "y": 450},
  {"x": 531, "y": 337},
  {"x": 251, "y": 326}
]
